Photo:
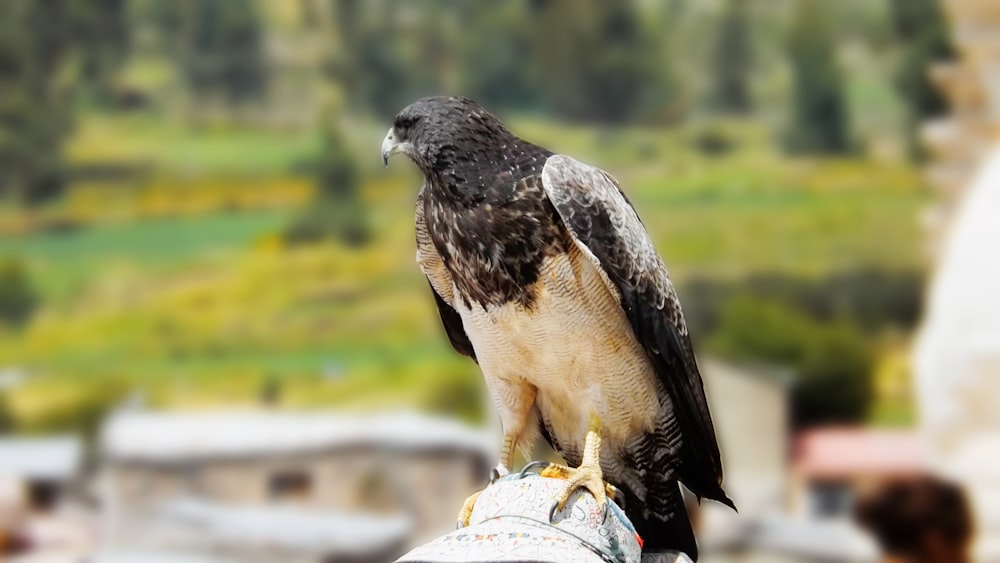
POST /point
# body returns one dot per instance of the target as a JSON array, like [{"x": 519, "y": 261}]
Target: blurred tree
[
  {"x": 393, "y": 56},
  {"x": 270, "y": 390},
  {"x": 875, "y": 300},
  {"x": 496, "y": 67},
  {"x": 337, "y": 212},
  {"x": 6, "y": 420},
  {"x": 597, "y": 61},
  {"x": 732, "y": 59},
  {"x": 225, "y": 53},
  {"x": 101, "y": 33},
  {"x": 819, "y": 117},
  {"x": 831, "y": 361},
  {"x": 165, "y": 18},
  {"x": 34, "y": 109},
  {"x": 390, "y": 53},
  {"x": 922, "y": 30},
  {"x": 835, "y": 378},
  {"x": 336, "y": 170},
  {"x": 345, "y": 64},
  {"x": 457, "y": 395},
  {"x": 752, "y": 328},
  {"x": 601, "y": 61},
  {"x": 389, "y": 83},
  {"x": 17, "y": 299}
]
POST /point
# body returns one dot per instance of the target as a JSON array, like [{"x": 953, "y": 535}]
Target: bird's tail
[{"x": 665, "y": 526}]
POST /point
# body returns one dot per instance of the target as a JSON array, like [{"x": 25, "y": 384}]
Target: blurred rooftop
[
  {"x": 845, "y": 452},
  {"x": 56, "y": 458},
  {"x": 184, "y": 436}
]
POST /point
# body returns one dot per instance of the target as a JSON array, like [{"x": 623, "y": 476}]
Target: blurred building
[
  {"x": 266, "y": 485},
  {"x": 832, "y": 465},
  {"x": 38, "y": 517},
  {"x": 751, "y": 402},
  {"x": 957, "y": 354},
  {"x": 772, "y": 489},
  {"x": 40, "y": 470}
]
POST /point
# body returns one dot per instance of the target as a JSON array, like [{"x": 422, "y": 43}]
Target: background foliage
[{"x": 192, "y": 210}]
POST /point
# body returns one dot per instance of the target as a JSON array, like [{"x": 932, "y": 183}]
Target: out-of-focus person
[
  {"x": 918, "y": 519},
  {"x": 13, "y": 510}
]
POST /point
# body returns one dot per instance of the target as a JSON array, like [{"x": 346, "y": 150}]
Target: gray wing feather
[{"x": 603, "y": 223}]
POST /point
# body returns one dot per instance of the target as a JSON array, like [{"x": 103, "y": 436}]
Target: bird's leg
[
  {"x": 502, "y": 469},
  {"x": 588, "y": 476},
  {"x": 515, "y": 400},
  {"x": 506, "y": 456}
]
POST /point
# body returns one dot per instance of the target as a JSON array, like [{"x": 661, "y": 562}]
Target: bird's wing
[
  {"x": 441, "y": 284},
  {"x": 608, "y": 231}
]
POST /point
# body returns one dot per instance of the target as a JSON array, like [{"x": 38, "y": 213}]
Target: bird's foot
[
  {"x": 587, "y": 477},
  {"x": 466, "y": 511}
]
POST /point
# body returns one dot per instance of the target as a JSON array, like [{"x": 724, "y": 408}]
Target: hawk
[{"x": 544, "y": 275}]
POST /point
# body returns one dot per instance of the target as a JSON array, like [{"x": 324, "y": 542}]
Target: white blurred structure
[
  {"x": 263, "y": 485},
  {"x": 957, "y": 353},
  {"x": 750, "y": 402},
  {"x": 35, "y": 472},
  {"x": 56, "y": 459},
  {"x": 961, "y": 141}
]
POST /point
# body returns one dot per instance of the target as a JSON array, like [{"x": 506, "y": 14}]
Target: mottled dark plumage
[
  {"x": 494, "y": 212},
  {"x": 487, "y": 214}
]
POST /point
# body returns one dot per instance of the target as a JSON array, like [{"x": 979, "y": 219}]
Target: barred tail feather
[{"x": 661, "y": 532}]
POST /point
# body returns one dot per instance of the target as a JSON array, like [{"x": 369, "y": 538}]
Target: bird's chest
[
  {"x": 573, "y": 345},
  {"x": 494, "y": 250}
]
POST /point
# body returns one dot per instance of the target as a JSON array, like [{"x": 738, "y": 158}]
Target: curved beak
[{"x": 391, "y": 146}]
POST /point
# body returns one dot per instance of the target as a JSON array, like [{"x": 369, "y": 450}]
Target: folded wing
[{"x": 607, "y": 229}]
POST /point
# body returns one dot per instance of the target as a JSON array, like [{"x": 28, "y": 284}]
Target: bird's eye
[{"x": 405, "y": 122}]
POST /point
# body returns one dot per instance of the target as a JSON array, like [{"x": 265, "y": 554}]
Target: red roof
[{"x": 858, "y": 452}]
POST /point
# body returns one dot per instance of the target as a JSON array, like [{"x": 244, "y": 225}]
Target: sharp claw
[
  {"x": 466, "y": 512},
  {"x": 615, "y": 494},
  {"x": 494, "y": 475},
  {"x": 553, "y": 510},
  {"x": 531, "y": 466},
  {"x": 589, "y": 481}
]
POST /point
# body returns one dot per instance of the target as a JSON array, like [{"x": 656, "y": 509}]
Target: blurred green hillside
[
  {"x": 163, "y": 264},
  {"x": 144, "y": 303}
]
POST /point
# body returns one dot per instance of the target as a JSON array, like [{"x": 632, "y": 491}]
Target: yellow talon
[
  {"x": 466, "y": 512},
  {"x": 585, "y": 477},
  {"x": 588, "y": 476},
  {"x": 506, "y": 460},
  {"x": 556, "y": 471}
]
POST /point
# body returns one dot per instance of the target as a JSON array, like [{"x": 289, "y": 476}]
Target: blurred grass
[
  {"x": 210, "y": 309},
  {"x": 64, "y": 263},
  {"x": 180, "y": 147},
  {"x": 894, "y": 391}
]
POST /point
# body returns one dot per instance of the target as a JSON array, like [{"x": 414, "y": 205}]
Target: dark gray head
[{"x": 445, "y": 132}]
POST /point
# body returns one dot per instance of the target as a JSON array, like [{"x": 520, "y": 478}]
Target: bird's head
[{"x": 443, "y": 132}]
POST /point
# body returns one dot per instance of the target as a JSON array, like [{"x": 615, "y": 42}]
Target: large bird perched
[{"x": 545, "y": 276}]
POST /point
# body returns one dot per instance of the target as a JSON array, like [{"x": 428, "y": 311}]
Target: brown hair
[{"x": 903, "y": 513}]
